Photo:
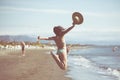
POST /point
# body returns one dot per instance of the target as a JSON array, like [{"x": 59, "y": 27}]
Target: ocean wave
[
  {"x": 79, "y": 61},
  {"x": 114, "y": 72}
]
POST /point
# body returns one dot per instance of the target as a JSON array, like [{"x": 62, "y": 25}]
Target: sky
[{"x": 38, "y": 17}]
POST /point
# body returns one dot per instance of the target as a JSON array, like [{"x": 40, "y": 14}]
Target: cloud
[
  {"x": 57, "y": 11},
  {"x": 98, "y": 29},
  {"x": 103, "y": 14},
  {"x": 53, "y": 11}
]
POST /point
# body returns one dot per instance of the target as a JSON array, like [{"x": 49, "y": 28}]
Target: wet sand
[{"x": 36, "y": 65}]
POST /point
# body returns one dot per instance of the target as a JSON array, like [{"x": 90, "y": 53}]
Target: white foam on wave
[
  {"x": 114, "y": 72},
  {"x": 80, "y": 61},
  {"x": 83, "y": 62}
]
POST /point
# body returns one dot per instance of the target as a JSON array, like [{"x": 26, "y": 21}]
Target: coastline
[{"x": 36, "y": 65}]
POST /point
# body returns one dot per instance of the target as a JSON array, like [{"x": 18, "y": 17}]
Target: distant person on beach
[
  {"x": 61, "y": 56},
  {"x": 38, "y": 38},
  {"x": 114, "y": 49},
  {"x": 23, "y": 48},
  {"x": 68, "y": 48}
]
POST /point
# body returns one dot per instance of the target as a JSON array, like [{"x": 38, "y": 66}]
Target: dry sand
[{"x": 36, "y": 65}]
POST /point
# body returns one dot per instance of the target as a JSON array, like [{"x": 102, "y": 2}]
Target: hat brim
[{"x": 77, "y": 18}]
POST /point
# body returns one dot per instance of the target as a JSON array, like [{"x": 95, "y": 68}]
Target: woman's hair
[{"x": 57, "y": 30}]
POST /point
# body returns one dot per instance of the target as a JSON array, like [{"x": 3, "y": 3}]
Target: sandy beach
[{"x": 36, "y": 65}]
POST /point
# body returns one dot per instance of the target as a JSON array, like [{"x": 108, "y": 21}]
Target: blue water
[{"x": 94, "y": 63}]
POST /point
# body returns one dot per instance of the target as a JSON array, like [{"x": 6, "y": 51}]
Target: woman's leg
[{"x": 61, "y": 60}]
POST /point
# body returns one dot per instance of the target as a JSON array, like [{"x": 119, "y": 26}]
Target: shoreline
[{"x": 36, "y": 65}]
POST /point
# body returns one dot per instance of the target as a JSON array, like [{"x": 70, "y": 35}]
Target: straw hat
[{"x": 77, "y": 18}]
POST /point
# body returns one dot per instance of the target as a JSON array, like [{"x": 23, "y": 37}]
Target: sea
[{"x": 94, "y": 63}]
